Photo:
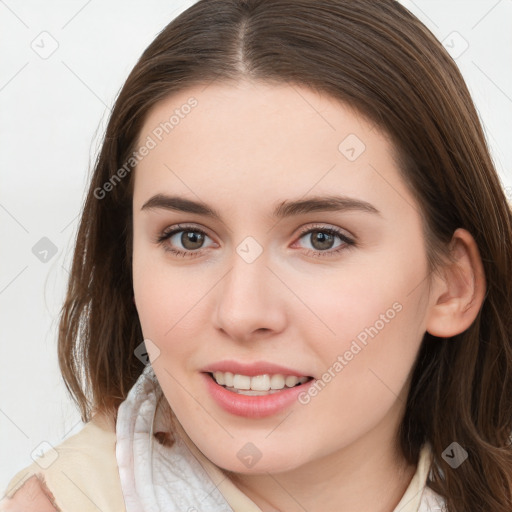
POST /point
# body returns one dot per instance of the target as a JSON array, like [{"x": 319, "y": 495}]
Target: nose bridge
[
  {"x": 247, "y": 299},
  {"x": 249, "y": 275}
]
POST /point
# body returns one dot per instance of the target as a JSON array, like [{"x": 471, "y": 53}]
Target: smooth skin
[{"x": 244, "y": 149}]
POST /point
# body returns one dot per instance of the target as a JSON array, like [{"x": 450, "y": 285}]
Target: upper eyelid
[
  {"x": 323, "y": 226},
  {"x": 176, "y": 228}
]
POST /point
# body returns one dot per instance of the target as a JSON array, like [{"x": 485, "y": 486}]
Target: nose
[{"x": 250, "y": 301}]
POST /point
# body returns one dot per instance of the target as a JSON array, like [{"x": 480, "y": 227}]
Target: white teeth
[
  {"x": 228, "y": 379},
  {"x": 290, "y": 381},
  {"x": 258, "y": 382},
  {"x": 277, "y": 381},
  {"x": 219, "y": 377},
  {"x": 241, "y": 381},
  {"x": 250, "y": 392}
]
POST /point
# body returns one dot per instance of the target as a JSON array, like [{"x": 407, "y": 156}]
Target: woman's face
[{"x": 316, "y": 263}]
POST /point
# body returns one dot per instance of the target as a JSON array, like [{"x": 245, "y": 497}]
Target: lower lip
[{"x": 253, "y": 406}]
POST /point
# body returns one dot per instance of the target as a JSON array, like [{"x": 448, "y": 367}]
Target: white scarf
[{"x": 156, "y": 477}]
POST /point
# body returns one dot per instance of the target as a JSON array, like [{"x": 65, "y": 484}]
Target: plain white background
[{"x": 62, "y": 65}]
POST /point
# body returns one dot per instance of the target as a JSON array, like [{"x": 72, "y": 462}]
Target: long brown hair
[{"x": 379, "y": 58}]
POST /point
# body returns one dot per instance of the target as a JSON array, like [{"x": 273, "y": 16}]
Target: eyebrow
[{"x": 283, "y": 209}]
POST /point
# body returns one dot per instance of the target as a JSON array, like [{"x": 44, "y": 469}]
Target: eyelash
[{"x": 169, "y": 232}]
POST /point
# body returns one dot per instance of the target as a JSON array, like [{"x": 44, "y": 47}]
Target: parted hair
[{"x": 380, "y": 59}]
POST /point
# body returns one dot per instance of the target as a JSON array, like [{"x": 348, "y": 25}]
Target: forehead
[
  {"x": 279, "y": 113},
  {"x": 259, "y": 140}
]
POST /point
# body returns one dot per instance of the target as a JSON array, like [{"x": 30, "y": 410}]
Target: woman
[{"x": 366, "y": 370}]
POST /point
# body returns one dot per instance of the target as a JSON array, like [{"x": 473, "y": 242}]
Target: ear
[{"x": 458, "y": 290}]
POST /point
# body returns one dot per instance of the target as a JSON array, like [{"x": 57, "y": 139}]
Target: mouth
[
  {"x": 273, "y": 393},
  {"x": 258, "y": 385}
]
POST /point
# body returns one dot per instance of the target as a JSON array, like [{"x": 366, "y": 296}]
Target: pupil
[
  {"x": 191, "y": 240},
  {"x": 325, "y": 240}
]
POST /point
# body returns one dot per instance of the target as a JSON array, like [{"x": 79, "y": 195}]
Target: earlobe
[{"x": 459, "y": 289}]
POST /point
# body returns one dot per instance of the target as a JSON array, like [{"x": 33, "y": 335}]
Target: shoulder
[
  {"x": 33, "y": 496},
  {"x": 73, "y": 475}
]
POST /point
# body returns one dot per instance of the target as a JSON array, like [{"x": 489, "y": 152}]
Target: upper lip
[{"x": 252, "y": 369}]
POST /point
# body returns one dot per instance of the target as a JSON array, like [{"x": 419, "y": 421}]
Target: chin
[{"x": 278, "y": 463}]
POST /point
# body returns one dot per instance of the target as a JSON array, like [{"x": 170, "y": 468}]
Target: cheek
[
  {"x": 363, "y": 381},
  {"x": 168, "y": 301},
  {"x": 154, "y": 296},
  {"x": 151, "y": 299},
  {"x": 375, "y": 316},
  {"x": 359, "y": 299}
]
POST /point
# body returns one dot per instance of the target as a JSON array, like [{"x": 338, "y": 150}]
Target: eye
[
  {"x": 189, "y": 237},
  {"x": 322, "y": 239},
  {"x": 191, "y": 240}
]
